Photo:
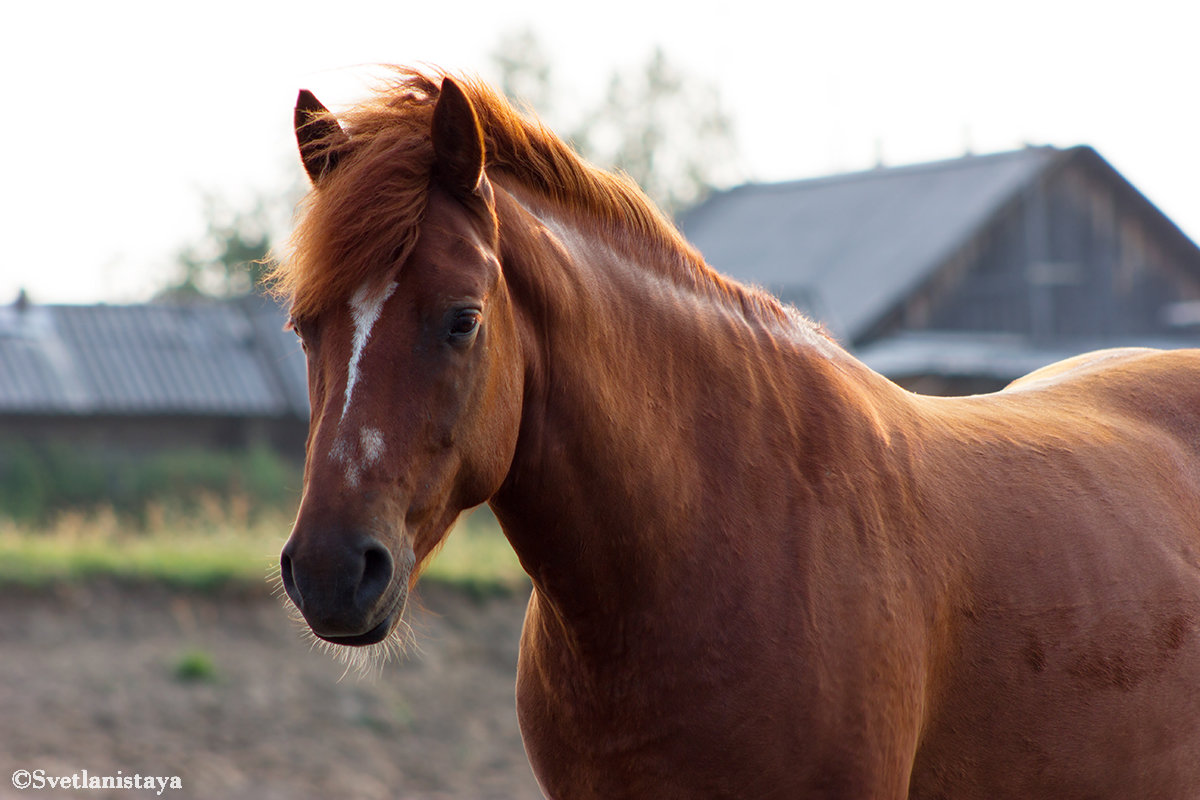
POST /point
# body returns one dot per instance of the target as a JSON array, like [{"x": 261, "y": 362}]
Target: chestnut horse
[{"x": 759, "y": 569}]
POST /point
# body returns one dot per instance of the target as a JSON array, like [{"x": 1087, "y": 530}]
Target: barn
[
  {"x": 152, "y": 377},
  {"x": 957, "y": 276}
]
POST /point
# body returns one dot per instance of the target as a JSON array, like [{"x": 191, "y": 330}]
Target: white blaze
[{"x": 365, "y": 308}]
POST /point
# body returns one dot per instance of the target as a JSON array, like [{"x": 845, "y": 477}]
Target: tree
[
  {"x": 232, "y": 257},
  {"x": 524, "y": 71},
  {"x": 662, "y": 127}
]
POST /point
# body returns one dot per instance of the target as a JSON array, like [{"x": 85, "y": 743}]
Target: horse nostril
[
  {"x": 376, "y": 574},
  {"x": 340, "y": 582},
  {"x": 289, "y": 580}
]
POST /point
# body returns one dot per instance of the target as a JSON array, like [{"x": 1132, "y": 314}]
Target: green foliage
[
  {"x": 206, "y": 549},
  {"x": 477, "y": 558},
  {"x": 36, "y": 483},
  {"x": 24, "y": 482},
  {"x": 195, "y": 666},
  {"x": 233, "y": 256}
]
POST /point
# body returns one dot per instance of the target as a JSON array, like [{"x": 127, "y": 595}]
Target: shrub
[
  {"x": 38, "y": 483},
  {"x": 23, "y": 481},
  {"x": 195, "y": 666}
]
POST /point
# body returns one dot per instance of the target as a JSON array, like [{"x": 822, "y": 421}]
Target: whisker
[{"x": 366, "y": 661}]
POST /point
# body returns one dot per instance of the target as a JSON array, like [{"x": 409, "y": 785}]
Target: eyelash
[{"x": 295, "y": 327}]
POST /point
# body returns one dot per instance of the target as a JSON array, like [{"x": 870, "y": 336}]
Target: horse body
[
  {"x": 866, "y": 588},
  {"x": 759, "y": 569}
]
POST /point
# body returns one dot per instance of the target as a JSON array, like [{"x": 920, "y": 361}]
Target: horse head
[{"x": 414, "y": 372}]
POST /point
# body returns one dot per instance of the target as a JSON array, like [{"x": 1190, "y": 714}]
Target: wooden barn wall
[{"x": 1071, "y": 259}]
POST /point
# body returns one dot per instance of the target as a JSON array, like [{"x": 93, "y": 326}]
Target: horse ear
[
  {"x": 457, "y": 141},
  {"x": 318, "y": 135}
]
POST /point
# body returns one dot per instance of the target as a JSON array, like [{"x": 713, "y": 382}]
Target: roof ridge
[{"x": 900, "y": 170}]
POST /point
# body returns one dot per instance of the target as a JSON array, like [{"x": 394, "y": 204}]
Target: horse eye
[
  {"x": 465, "y": 324},
  {"x": 295, "y": 327}
]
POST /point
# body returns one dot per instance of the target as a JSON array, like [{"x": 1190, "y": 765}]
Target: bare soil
[{"x": 90, "y": 679}]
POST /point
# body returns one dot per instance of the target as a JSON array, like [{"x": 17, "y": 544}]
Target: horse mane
[{"x": 362, "y": 220}]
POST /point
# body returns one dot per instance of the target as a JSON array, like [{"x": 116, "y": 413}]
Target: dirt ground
[{"x": 89, "y": 680}]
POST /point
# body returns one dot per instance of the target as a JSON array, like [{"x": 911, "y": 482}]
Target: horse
[{"x": 759, "y": 569}]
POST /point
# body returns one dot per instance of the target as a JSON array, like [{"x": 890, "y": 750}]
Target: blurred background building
[
  {"x": 950, "y": 277},
  {"x": 958, "y": 276},
  {"x": 155, "y": 376}
]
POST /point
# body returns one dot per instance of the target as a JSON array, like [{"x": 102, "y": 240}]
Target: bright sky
[{"x": 121, "y": 114}]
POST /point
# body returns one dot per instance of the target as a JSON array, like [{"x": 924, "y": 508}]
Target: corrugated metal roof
[
  {"x": 281, "y": 352},
  {"x": 210, "y": 358},
  {"x": 847, "y": 247}
]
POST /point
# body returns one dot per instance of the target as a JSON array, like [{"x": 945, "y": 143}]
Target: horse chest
[{"x": 675, "y": 728}]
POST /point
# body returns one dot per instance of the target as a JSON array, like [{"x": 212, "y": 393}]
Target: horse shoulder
[{"x": 1082, "y": 580}]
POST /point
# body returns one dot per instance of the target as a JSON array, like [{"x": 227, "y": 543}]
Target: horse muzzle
[{"x": 349, "y": 586}]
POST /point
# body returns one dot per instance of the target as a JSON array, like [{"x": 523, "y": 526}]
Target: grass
[
  {"x": 476, "y": 556},
  {"x": 203, "y": 550},
  {"x": 212, "y": 547},
  {"x": 195, "y": 666}
]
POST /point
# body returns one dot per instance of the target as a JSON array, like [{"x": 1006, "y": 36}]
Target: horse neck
[{"x": 656, "y": 411}]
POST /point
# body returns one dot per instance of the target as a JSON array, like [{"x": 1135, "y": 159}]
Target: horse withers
[{"x": 759, "y": 569}]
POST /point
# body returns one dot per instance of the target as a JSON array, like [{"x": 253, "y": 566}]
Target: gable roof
[
  {"x": 845, "y": 248},
  {"x": 206, "y": 358}
]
